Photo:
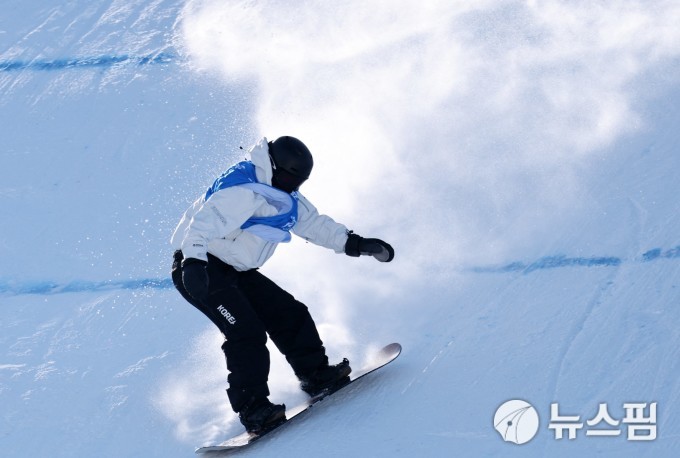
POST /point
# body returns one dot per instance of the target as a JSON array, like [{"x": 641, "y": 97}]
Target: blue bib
[{"x": 274, "y": 228}]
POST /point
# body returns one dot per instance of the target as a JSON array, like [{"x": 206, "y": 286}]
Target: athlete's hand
[
  {"x": 358, "y": 246},
  {"x": 195, "y": 278}
]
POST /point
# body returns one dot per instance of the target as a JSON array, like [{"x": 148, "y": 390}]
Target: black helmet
[{"x": 291, "y": 163}]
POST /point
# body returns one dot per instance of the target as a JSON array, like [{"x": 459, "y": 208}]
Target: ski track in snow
[
  {"x": 578, "y": 328},
  {"x": 139, "y": 365}
]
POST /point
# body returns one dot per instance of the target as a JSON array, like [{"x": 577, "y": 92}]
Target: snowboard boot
[
  {"x": 326, "y": 379},
  {"x": 259, "y": 414}
]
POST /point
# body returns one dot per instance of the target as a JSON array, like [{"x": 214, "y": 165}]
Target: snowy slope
[{"x": 520, "y": 157}]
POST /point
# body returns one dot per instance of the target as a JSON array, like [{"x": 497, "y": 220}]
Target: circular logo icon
[{"x": 516, "y": 421}]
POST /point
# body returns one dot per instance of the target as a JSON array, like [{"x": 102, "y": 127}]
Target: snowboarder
[{"x": 221, "y": 241}]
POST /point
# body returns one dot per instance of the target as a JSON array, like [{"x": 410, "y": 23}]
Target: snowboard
[{"x": 386, "y": 355}]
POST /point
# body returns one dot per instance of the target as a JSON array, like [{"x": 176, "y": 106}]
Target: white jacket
[{"x": 213, "y": 226}]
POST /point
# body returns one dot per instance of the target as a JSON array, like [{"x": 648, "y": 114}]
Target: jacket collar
[{"x": 259, "y": 155}]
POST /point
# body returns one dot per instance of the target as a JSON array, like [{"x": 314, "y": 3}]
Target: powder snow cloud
[{"x": 455, "y": 130}]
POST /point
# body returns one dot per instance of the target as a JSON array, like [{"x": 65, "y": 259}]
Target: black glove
[
  {"x": 195, "y": 278},
  {"x": 357, "y": 246}
]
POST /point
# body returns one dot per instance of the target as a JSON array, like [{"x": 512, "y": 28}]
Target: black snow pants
[{"x": 246, "y": 306}]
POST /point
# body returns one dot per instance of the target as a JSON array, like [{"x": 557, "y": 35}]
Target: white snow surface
[{"x": 521, "y": 157}]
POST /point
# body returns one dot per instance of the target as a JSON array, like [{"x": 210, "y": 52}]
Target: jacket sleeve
[
  {"x": 319, "y": 229},
  {"x": 224, "y": 212}
]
